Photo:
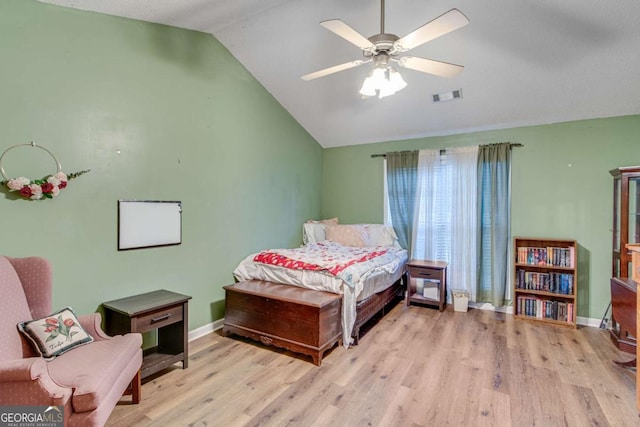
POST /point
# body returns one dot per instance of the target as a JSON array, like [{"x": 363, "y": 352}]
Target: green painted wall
[
  {"x": 190, "y": 123},
  {"x": 560, "y": 180}
]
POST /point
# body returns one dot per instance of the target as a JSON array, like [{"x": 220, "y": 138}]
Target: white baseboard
[
  {"x": 490, "y": 307},
  {"x": 583, "y": 321},
  {"x": 588, "y": 321},
  {"x": 205, "y": 329}
]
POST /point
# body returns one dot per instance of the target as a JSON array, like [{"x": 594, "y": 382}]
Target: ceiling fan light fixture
[
  {"x": 382, "y": 81},
  {"x": 368, "y": 87},
  {"x": 396, "y": 80},
  {"x": 385, "y": 91},
  {"x": 378, "y": 76}
]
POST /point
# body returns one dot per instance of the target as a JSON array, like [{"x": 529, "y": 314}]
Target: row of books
[
  {"x": 558, "y": 257},
  {"x": 560, "y": 283},
  {"x": 545, "y": 309}
]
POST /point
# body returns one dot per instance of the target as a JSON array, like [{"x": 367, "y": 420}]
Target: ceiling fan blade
[
  {"x": 341, "y": 29},
  {"x": 333, "y": 69},
  {"x": 437, "y": 68},
  {"x": 443, "y": 24}
]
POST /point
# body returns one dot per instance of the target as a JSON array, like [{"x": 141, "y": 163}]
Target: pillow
[
  {"x": 381, "y": 235},
  {"x": 55, "y": 334},
  {"x": 347, "y": 235},
  {"x": 330, "y": 221},
  {"x": 312, "y": 232}
]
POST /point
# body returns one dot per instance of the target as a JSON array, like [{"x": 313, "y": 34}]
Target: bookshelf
[
  {"x": 545, "y": 280},
  {"x": 626, "y": 217}
]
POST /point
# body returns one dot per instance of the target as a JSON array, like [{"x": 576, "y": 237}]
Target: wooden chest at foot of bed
[{"x": 297, "y": 319}]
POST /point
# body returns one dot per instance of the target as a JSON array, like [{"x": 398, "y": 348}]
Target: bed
[{"x": 362, "y": 263}]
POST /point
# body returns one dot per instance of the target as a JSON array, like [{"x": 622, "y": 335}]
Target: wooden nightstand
[
  {"x": 164, "y": 311},
  {"x": 427, "y": 283}
]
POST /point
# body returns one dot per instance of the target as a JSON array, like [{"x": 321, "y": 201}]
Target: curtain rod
[{"x": 443, "y": 151}]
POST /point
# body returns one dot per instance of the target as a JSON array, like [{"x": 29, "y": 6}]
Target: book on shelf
[
  {"x": 546, "y": 256},
  {"x": 545, "y": 309},
  {"x": 560, "y": 283}
]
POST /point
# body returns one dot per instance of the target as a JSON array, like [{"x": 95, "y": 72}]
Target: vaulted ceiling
[{"x": 526, "y": 62}]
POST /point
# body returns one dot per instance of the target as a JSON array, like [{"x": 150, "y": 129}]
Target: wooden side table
[
  {"x": 164, "y": 311},
  {"x": 427, "y": 283}
]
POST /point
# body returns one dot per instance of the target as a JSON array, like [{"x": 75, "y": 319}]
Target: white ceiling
[{"x": 527, "y": 62}]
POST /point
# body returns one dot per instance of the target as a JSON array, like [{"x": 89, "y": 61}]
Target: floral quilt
[{"x": 347, "y": 263}]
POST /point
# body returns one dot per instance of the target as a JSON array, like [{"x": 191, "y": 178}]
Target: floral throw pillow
[{"x": 55, "y": 334}]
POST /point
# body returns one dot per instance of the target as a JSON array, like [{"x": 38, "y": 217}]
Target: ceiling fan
[{"x": 383, "y": 48}]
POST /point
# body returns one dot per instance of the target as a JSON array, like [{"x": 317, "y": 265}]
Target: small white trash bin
[{"x": 460, "y": 300}]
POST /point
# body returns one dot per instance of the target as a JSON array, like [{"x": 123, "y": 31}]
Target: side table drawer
[
  {"x": 159, "y": 318},
  {"x": 425, "y": 273}
]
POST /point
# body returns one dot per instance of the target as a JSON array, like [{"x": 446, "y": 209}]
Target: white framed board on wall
[{"x": 149, "y": 224}]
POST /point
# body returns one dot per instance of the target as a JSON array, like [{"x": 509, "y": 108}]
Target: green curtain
[
  {"x": 494, "y": 221},
  {"x": 402, "y": 174}
]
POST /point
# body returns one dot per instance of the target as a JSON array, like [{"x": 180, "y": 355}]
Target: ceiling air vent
[{"x": 447, "y": 96}]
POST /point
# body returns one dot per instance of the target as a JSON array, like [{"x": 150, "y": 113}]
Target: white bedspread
[{"x": 367, "y": 283}]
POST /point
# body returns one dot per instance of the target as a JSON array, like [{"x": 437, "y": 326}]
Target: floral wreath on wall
[{"x": 37, "y": 189}]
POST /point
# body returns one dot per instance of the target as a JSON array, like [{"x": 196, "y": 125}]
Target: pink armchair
[{"x": 87, "y": 380}]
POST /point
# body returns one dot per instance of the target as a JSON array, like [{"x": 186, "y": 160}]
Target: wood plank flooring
[{"x": 415, "y": 367}]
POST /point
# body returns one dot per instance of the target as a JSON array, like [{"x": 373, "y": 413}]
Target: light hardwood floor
[{"x": 415, "y": 367}]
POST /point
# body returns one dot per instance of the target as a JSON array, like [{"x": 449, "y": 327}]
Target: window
[
  {"x": 449, "y": 224},
  {"x": 445, "y": 223}
]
